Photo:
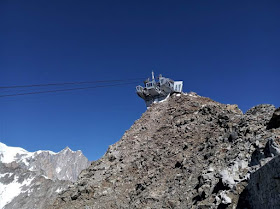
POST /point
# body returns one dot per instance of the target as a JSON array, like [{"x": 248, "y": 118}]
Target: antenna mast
[{"x": 153, "y": 76}]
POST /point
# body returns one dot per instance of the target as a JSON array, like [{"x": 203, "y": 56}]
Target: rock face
[
  {"x": 186, "y": 152},
  {"x": 33, "y": 179},
  {"x": 263, "y": 188},
  {"x": 275, "y": 120}
]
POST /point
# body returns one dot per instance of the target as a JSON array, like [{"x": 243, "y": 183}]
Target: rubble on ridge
[{"x": 186, "y": 152}]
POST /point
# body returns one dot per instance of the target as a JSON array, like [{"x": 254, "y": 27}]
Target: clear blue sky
[{"x": 226, "y": 50}]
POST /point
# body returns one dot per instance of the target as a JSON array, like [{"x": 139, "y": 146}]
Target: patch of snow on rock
[
  {"x": 58, "y": 169},
  {"x": 227, "y": 178},
  {"x": 58, "y": 190},
  {"x": 44, "y": 151},
  {"x": 9, "y": 191},
  {"x": 230, "y": 176},
  {"x": 225, "y": 199},
  {"x": 164, "y": 99}
]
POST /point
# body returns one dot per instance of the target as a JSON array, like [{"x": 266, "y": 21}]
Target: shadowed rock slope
[{"x": 186, "y": 152}]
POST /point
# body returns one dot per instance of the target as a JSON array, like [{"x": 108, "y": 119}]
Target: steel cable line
[
  {"x": 69, "y": 83},
  {"x": 63, "y": 90}
]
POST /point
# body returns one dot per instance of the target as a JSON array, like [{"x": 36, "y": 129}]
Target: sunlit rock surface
[{"x": 186, "y": 152}]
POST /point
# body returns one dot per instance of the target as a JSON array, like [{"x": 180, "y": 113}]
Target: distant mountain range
[{"x": 33, "y": 179}]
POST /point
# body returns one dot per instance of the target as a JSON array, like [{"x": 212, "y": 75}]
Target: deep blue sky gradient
[{"x": 226, "y": 50}]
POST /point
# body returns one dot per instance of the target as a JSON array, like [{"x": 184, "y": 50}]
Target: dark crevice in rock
[
  {"x": 223, "y": 206},
  {"x": 139, "y": 187},
  {"x": 220, "y": 186},
  {"x": 275, "y": 120},
  {"x": 232, "y": 137},
  {"x": 256, "y": 157},
  {"x": 199, "y": 197},
  {"x": 178, "y": 165},
  {"x": 243, "y": 202}
]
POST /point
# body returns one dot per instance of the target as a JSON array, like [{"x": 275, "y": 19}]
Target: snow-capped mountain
[{"x": 33, "y": 179}]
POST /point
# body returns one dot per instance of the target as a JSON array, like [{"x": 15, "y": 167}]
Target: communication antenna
[{"x": 153, "y": 76}]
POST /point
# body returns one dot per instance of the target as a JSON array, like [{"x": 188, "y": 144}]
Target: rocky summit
[
  {"x": 32, "y": 180},
  {"x": 186, "y": 152}
]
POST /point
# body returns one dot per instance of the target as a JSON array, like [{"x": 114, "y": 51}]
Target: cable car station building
[{"x": 155, "y": 91}]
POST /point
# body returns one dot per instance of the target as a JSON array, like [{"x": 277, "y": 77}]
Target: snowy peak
[
  {"x": 26, "y": 178},
  {"x": 10, "y": 154},
  {"x": 62, "y": 165},
  {"x": 67, "y": 149}
]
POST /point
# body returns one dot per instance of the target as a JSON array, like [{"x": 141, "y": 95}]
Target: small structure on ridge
[{"x": 155, "y": 91}]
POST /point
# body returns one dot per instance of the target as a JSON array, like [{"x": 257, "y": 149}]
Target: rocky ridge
[
  {"x": 33, "y": 179},
  {"x": 186, "y": 152}
]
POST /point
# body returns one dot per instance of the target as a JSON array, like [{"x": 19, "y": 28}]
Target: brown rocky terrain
[{"x": 186, "y": 152}]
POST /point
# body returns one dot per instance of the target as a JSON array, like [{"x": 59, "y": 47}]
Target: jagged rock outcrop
[
  {"x": 275, "y": 120},
  {"x": 186, "y": 152},
  {"x": 263, "y": 188},
  {"x": 33, "y": 179}
]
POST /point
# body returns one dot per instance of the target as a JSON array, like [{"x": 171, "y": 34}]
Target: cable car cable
[
  {"x": 69, "y": 83},
  {"x": 63, "y": 90}
]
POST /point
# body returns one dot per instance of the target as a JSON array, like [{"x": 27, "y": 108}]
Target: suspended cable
[
  {"x": 63, "y": 90},
  {"x": 69, "y": 83}
]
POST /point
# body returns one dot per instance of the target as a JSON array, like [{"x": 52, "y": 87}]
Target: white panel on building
[{"x": 178, "y": 86}]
